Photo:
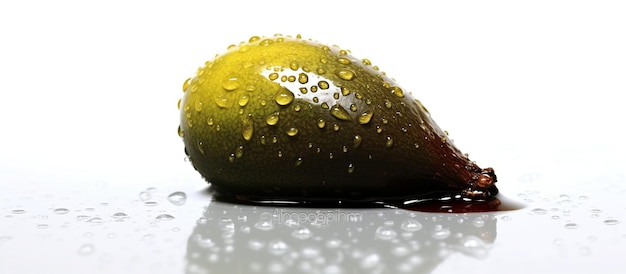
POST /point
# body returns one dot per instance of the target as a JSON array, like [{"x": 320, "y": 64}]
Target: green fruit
[{"x": 287, "y": 118}]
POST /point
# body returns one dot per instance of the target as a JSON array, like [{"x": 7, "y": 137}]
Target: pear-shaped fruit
[{"x": 288, "y": 118}]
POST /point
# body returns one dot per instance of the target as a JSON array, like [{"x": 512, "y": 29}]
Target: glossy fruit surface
[{"x": 289, "y": 118}]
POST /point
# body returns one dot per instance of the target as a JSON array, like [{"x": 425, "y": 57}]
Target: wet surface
[{"x": 176, "y": 230}]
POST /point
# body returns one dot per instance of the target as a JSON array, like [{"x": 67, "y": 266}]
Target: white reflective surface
[{"x": 92, "y": 171}]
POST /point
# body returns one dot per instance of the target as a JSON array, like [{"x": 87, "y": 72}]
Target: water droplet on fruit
[
  {"x": 353, "y": 107},
  {"x": 367, "y": 62},
  {"x": 230, "y": 83},
  {"x": 221, "y": 101},
  {"x": 303, "y": 79},
  {"x": 323, "y": 84},
  {"x": 186, "y": 84},
  {"x": 292, "y": 131},
  {"x": 294, "y": 65},
  {"x": 389, "y": 141},
  {"x": 198, "y": 105},
  {"x": 273, "y": 76},
  {"x": 272, "y": 119},
  {"x": 345, "y": 91},
  {"x": 339, "y": 112},
  {"x": 336, "y": 127},
  {"x": 243, "y": 100},
  {"x": 284, "y": 97},
  {"x": 321, "y": 123},
  {"x": 247, "y": 128},
  {"x": 200, "y": 146},
  {"x": 345, "y": 74},
  {"x": 209, "y": 121},
  {"x": 398, "y": 92},
  {"x": 181, "y": 133},
  {"x": 365, "y": 117},
  {"x": 350, "y": 168},
  {"x": 343, "y": 61},
  {"x": 298, "y": 161},
  {"x": 239, "y": 152},
  {"x": 387, "y": 103},
  {"x": 357, "y": 140},
  {"x": 244, "y": 48}
]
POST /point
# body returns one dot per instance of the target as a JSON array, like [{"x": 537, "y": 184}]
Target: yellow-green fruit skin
[{"x": 289, "y": 117}]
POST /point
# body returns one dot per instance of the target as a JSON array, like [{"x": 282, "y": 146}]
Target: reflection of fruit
[
  {"x": 285, "y": 117},
  {"x": 248, "y": 239}
]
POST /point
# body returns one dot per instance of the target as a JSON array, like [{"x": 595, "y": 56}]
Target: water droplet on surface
[
  {"x": 265, "y": 222},
  {"x": 539, "y": 211},
  {"x": 346, "y": 74},
  {"x": 95, "y": 220},
  {"x": 365, "y": 117},
  {"x": 151, "y": 203},
  {"x": 86, "y": 249},
  {"x": 411, "y": 225},
  {"x": 611, "y": 222},
  {"x": 284, "y": 97},
  {"x": 339, "y": 112},
  {"x": 201, "y": 221},
  {"x": 440, "y": 233},
  {"x": 145, "y": 195},
  {"x": 277, "y": 247},
  {"x": 164, "y": 217},
  {"x": 571, "y": 225},
  {"x": 119, "y": 216},
  {"x": 323, "y": 84},
  {"x": 61, "y": 211},
  {"x": 177, "y": 198},
  {"x": 302, "y": 233},
  {"x": 42, "y": 226}
]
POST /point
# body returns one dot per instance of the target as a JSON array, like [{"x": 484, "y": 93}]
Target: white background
[{"x": 88, "y": 89}]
